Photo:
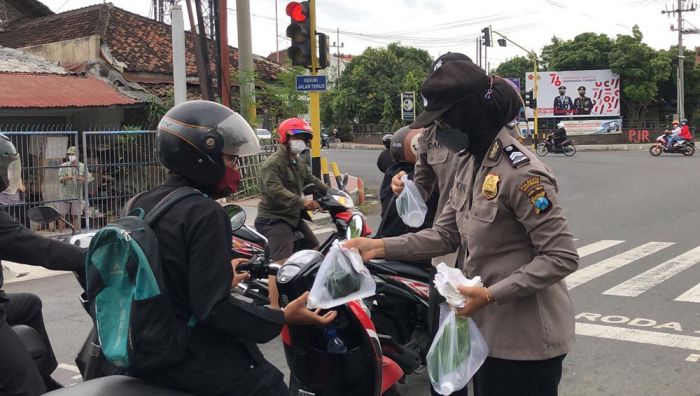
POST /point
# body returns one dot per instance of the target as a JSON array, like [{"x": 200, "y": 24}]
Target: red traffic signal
[{"x": 297, "y": 12}]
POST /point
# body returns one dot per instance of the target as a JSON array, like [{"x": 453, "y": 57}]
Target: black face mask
[{"x": 454, "y": 139}]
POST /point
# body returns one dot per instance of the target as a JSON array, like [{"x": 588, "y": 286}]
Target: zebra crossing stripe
[
  {"x": 692, "y": 295},
  {"x": 644, "y": 281},
  {"x": 596, "y": 247},
  {"x": 640, "y": 336},
  {"x": 600, "y": 268}
]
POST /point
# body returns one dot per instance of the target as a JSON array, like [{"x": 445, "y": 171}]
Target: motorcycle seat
[
  {"x": 116, "y": 385},
  {"x": 415, "y": 270},
  {"x": 31, "y": 340}
]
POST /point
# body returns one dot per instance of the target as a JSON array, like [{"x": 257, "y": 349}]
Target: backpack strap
[
  {"x": 168, "y": 201},
  {"x": 130, "y": 204}
]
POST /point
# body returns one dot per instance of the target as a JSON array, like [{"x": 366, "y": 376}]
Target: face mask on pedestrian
[
  {"x": 228, "y": 184},
  {"x": 72, "y": 158},
  {"x": 297, "y": 146}
]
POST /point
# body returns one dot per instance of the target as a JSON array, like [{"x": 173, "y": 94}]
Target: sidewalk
[{"x": 589, "y": 147}]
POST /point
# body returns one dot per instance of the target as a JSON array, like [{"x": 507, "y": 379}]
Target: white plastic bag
[
  {"x": 446, "y": 281},
  {"x": 341, "y": 278},
  {"x": 410, "y": 204},
  {"x": 457, "y": 352}
]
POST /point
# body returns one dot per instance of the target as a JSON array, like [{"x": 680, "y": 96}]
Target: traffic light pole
[
  {"x": 534, "y": 92},
  {"x": 314, "y": 99}
]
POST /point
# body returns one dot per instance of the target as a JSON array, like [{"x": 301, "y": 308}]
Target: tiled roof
[
  {"x": 145, "y": 45},
  {"x": 19, "y": 90},
  {"x": 16, "y": 61}
]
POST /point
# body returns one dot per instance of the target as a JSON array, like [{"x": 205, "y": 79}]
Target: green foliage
[
  {"x": 516, "y": 67},
  {"x": 587, "y": 51},
  {"x": 641, "y": 70},
  {"x": 691, "y": 79},
  {"x": 281, "y": 99},
  {"x": 369, "y": 89},
  {"x": 156, "y": 108}
]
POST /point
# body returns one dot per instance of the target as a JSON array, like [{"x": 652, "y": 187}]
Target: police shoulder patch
[{"x": 515, "y": 156}]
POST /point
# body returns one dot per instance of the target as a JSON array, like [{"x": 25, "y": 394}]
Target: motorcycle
[
  {"x": 325, "y": 141},
  {"x": 566, "y": 147},
  {"x": 248, "y": 243},
  {"x": 342, "y": 359},
  {"x": 685, "y": 147}
]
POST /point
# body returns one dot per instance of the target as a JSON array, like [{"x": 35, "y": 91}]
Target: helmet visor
[
  {"x": 239, "y": 137},
  {"x": 14, "y": 175}
]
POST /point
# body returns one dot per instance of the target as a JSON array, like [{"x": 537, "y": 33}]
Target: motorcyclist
[
  {"x": 199, "y": 142},
  {"x": 559, "y": 135},
  {"x": 685, "y": 131},
  {"x": 675, "y": 135},
  {"x": 403, "y": 149},
  {"x": 282, "y": 204},
  {"x": 19, "y": 374},
  {"x": 385, "y": 160}
]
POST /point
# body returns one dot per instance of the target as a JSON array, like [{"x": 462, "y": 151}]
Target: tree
[
  {"x": 587, "y": 51},
  {"x": 369, "y": 89},
  {"x": 516, "y": 68},
  {"x": 641, "y": 70},
  {"x": 281, "y": 99},
  {"x": 691, "y": 80}
]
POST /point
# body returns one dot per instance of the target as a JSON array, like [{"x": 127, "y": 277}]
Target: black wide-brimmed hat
[{"x": 449, "y": 84}]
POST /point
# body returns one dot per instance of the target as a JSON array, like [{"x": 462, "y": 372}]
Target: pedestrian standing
[{"x": 72, "y": 175}]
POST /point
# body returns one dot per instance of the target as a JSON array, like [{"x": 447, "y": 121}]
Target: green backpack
[{"x": 129, "y": 302}]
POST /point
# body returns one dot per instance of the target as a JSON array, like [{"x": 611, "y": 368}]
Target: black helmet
[
  {"x": 386, "y": 140},
  {"x": 10, "y": 166},
  {"x": 193, "y": 136},
  {"x": 404, "y": 145}
]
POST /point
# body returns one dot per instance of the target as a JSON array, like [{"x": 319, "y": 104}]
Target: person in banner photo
[
  {"x": 583, "y": 104},
  {"x": 562, "y": 103}
]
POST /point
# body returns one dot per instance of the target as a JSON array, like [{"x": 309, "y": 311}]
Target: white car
[{"x": 263, "y": 133}]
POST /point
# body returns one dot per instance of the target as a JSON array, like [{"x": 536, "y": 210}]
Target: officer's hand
[
  {"x": 396, "y": 183},
  {"x": 296, "y": 313},
  {"x": 476, "y": 299},
  {"x": 310, "y": 204},
  {"x": 369, "y": 248},
  {"x": 238, "y": 277}
]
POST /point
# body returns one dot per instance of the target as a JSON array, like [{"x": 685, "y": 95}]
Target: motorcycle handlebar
[{"x": 259, "y": 267}]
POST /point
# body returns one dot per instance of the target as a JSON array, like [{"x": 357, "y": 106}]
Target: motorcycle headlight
[{"x": 287, "y": 272}]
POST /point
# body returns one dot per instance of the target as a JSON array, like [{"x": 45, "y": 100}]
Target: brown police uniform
[
  {"x": 518, "y": 242},
  {"x": 435, "y": 168}
]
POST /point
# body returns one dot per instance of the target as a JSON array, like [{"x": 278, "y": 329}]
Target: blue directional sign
[{"x": 311, "y": 83}]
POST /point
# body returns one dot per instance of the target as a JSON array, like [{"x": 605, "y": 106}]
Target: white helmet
[{"x": 560, "y": 124}]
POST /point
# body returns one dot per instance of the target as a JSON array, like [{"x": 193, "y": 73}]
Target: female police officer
[{"x": 518, "y": 239}]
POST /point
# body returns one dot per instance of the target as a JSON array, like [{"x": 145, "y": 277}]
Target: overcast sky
[{"x": 450, "y": 25}]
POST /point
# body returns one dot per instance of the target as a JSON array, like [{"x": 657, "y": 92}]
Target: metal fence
[
  {"x": 42, "y": 154},
  {"x": 121, "y": 164}
]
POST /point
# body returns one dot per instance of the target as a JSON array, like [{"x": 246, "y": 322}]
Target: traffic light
[
  {"x": 487, "y": 36},
  {"x": 530, "y": 100},
  {"x": 324, "y": 51},
  {"x": 299, "y": 30}
]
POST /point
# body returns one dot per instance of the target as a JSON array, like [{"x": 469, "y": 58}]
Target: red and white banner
[{"x": 579, "y": 93}]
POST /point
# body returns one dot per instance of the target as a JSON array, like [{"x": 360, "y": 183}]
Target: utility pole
[
  {"x": 277, "y": 36},
  {"x": 246, "y": 71},
  {"x": 337, "y": 45},
  {"x": 315, "y": 99},
  {"x": 680, "y": 90},
  {"x": 178, "y": 35}
]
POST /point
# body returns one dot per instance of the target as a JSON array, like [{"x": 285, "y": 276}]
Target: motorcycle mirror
[
  {"x": 236, "y": 215},
  {"x": 355, "y": 227},
  {"x": 45, "y": 215}
]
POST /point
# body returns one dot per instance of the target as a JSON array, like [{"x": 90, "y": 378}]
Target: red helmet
[{"x": 294, "y": 126}]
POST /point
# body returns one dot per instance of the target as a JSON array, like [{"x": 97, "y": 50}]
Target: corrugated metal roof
[
  {"x": 19, "y": 90},
  {"x": 16, "y": 61}
]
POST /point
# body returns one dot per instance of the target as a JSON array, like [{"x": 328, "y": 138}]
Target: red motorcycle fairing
[
  {"x": 420, "y": 288},
  {"x": 346, "y": 216},
  {"x": 244, "y": 247}
]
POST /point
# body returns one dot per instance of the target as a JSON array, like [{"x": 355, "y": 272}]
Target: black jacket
[
  {"x": 21, "y": 245},
  {"x": 195, "y": 248},
  {"x": 385, "y": 160},
  {"x": 391, "y": 224}
]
